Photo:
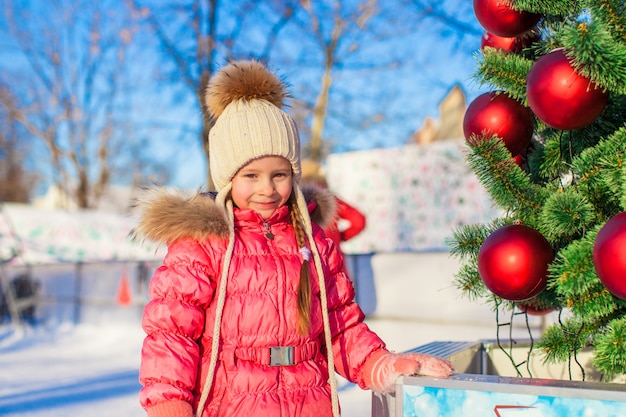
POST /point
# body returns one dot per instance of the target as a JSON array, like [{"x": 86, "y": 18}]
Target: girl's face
[{"x": 263, "y": 185}]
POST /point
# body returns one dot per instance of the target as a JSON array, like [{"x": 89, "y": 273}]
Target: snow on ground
[
  {"x": 91, "y": 369},
  {"x": 71, "y": 371}
]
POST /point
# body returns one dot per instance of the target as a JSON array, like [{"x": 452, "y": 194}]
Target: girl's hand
[{"x": 382, "y": 368}]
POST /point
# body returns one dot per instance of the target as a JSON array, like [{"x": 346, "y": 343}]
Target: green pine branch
[
  {"x": 561, "y": 342},
  {"x": 508, "y": 185},
  {"x": 549, "y": 7},
  {"x": 610, "y": 349},
  {"x": 597, "y": 54},
  {"x": 465, "y": 244},
  {"x": 600, "y": 173},
  {"x": 504, "y": 71},
  {"x": 612, "y": 14},
  {"x": 467, "y": 279},
  {"x": 466, "y": 240},
  {"x": 565, "y": 216}
]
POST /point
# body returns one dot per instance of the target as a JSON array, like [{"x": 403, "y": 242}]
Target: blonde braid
[
  {"x": 304, "y": 286},
  {"x": 317, "y": 263}
]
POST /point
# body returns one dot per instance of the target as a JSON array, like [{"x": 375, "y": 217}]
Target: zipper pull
[{"x": 269, "y": 234}]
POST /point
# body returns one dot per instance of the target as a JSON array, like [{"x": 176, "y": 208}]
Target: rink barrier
[
  {"x": 76, "y": 292},
  {"x": 487, "y": 382}
]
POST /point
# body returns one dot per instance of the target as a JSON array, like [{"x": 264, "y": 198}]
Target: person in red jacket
[
  {"x": 250, "y": 313},
  {"x": 354, "y": 222}
]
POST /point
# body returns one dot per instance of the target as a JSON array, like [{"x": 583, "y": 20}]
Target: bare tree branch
[{"x": 66, "y": 93}]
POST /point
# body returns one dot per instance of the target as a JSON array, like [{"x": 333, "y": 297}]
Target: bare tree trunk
[
  {"x": 321, "y": 103},
  {"x": 329, "y": 46},
  {"x": 319, "y": 116},
  {"x": 16, "y": 182},
  {"x": 206, "y": 47}
]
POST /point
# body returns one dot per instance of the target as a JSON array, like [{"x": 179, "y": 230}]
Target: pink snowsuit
[{"x": 259, "y": 313}]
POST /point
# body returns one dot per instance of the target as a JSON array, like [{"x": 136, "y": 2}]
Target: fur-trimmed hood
[{"x": 166, "y": 216}]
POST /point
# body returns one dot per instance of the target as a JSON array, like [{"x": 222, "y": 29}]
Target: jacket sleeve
[
  {"x": 353, "y": 341},
  {"x": 180, "y": 291},
  {"x": 356, "y": 219}
]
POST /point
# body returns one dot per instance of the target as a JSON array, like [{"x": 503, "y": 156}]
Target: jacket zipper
[
  {"x": 268, "y": 233},
  {"x": 270, "y": 236}
]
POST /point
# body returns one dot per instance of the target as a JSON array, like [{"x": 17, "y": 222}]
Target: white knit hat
[{"x": 246, "y": 100}]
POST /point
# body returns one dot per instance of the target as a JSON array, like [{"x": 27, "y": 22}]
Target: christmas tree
[{"x": 548, "y": 141}]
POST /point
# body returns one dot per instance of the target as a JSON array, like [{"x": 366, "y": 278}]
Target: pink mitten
[
  {"x": 382, "y": 368},
  {"x": 172, "y": 408}
]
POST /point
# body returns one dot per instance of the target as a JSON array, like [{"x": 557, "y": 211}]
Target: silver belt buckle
[{"x": 281, "y": 356}]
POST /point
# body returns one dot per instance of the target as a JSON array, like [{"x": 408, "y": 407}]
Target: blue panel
[{"x": 426, "y": 401}]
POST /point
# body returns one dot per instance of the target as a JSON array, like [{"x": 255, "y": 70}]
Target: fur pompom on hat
[{"x": 246, "y": 100}]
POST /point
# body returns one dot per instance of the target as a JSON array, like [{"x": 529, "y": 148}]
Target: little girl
[{"x": 250, "y": 313}]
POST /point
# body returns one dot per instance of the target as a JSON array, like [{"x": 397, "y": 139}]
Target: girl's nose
[{"x": 266, "y": 187}]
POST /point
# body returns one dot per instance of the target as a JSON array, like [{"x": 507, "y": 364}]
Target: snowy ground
[{"x": 92, "y": 369}]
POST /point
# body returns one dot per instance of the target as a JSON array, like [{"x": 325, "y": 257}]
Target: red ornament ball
[
  {"x": 499, "y": 42},
  {"x": 533, "y": 310},
  {"x": 559, "y": 96},
  {"x": 513, "y": 44},
  {"x": 498, "y": 114},
  {"x": 497, "y": 17},
  {"x": 609, "y": 255},
  {"x": 513, "y": 262}
]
